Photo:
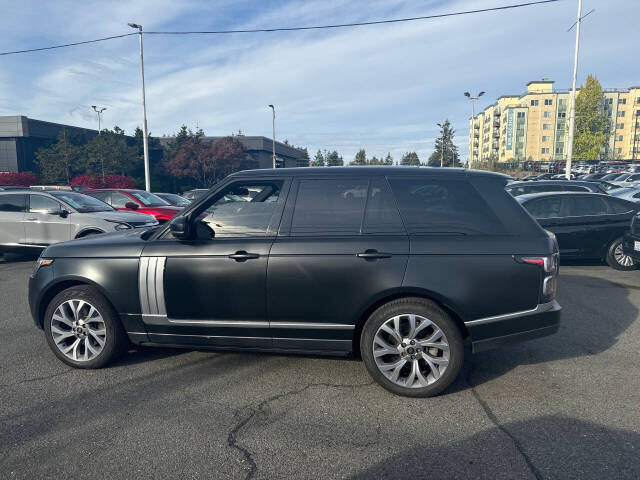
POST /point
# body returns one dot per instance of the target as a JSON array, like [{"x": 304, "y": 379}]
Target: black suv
[{"x": 401, "y": 265}]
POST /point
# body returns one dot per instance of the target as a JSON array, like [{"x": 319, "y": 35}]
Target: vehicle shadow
[
  {"x": 553, "y": 446},
  {"x": 588, "y": 326}
]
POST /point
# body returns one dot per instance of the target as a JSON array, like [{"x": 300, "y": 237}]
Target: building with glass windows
[{"x": 534, "y": 125}]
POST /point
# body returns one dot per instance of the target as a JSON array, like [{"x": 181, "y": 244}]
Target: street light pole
[
  {"x": 145, "y": 139},
  {"x": 99, "y": 112},
  {"x": 473, "y": 117},
  {"x": 273, "y": 141},
  {"x": 441, "y": 145},
  {"x": 572, "y": 111}
]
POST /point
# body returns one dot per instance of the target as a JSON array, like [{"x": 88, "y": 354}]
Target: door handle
[
  {"x": 241, "y": 256},
  {"x": 31, "y": 219},
  {"x": 373, "y": 254}
]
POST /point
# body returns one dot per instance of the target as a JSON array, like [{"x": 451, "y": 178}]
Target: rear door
[
  {"x": 587, "y": 225},
  {"x": 12, "y": 212},
  {"x": 44, "y": 224},
  {"x": 341, "y": 246}
]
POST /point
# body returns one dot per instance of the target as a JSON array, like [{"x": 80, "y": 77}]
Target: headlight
[{"x": 41, "y": 262}]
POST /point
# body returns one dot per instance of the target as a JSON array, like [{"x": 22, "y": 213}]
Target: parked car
[
  {"x": 628, "y": 193},
  {"x": 403, "y": 275},
  {"x": 523, "y": 188},
  {"x": 607, "y": 186},
  {"x": 6, "y": 188},
  {"x": 174, "y": 199},
  {"x": 587, "y": 225},
  {"x": 194, "y": 194},
  {"x": 592, "y": 176},
  {"x": 136, "y": 200},
  {"x": 628, "y": 178},
  {"x": 544, "y": 176},
  {"x": 33, "y": 220}
]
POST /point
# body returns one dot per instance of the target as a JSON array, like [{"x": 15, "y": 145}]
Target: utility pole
[
  {"x": 145, "y": 138},
  {"x": 99, "y": 112},
  {"x": 273, "y": 139},
  {"x": 473, "y": 118},
  {"x": 441, "y": 146},
  {"x": 572, "y": 111}
]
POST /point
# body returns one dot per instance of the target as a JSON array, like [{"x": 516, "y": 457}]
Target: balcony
[
  {"x": 476, "y": 134},
  {"x": 496, "y": 134},
  {"x": 476, "y": 126},
  {"x": 496, "y": 111},
  {"x": 476, "y": 143}
]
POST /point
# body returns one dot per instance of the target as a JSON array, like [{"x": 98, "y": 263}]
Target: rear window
[
  {"x": 330, "y": 206},
  {"x": 617, "y": 205},
  {"x": 436, "y": 206},
  {"x": 13, "y": 203}
]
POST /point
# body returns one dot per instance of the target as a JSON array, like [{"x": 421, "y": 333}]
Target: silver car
[
  {"x": 631, "y": 193},
  {"x": 31, "y": 220}
]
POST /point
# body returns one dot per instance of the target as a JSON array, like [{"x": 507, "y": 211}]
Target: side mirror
[
  {"x": 204, "y": 231},
  {"x": 63, "y": 213},
  {"x": 131, "y": 205},
  {"x": 179, "y": 227}
]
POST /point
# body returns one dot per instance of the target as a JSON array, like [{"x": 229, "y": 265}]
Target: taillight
[{"x": 549, "y": 265}]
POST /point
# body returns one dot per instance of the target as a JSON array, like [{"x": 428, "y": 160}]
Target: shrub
[
  {"x": 22, "y": 179},
  {"x": 110, "y": 181}
]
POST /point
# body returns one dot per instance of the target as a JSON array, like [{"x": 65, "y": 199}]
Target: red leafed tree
[
  {"x": 110, "y": 181},
  {"x": 205, "y": 163},
  {"x": 22, "y": 179}
]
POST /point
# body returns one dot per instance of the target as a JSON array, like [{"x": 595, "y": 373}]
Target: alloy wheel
[
  {"x": 78, "y": 330},
  {"x": 621, "y": 258},
  {"x": 411, "y": 351}
]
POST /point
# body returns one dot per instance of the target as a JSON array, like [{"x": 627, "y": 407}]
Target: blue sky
[{"x": 382, "y": 88}]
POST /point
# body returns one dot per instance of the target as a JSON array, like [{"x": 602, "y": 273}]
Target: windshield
[
  {"x": 175, "y": 199},
  {"x": 149, "y": 199},
  {"x": 82, "y": 203}
]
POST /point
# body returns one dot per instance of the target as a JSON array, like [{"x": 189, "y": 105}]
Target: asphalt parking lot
[{"x": 566, "y": 406}]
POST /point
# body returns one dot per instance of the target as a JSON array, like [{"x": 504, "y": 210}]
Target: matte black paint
[{"x": 313, "y": 279}]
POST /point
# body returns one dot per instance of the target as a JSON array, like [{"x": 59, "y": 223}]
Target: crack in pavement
[
  {"x": 232, "y": 438},
  {"x": 493, "y": 419},
  {"x": 36, "y": 379}
]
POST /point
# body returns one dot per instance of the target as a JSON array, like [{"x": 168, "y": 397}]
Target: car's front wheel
[
  {"x": 82, "y": 328},
  {"x": 617, "y": 259},
  {"x": 412, "y": 347}
]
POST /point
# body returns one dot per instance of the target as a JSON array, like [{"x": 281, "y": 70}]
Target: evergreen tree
[
  {"x": 388, "y": 160},
  {"x": 410, "y": 158},
  {"x": 445, "y": 142},
  {"x": 333, "y": 159},
  {"x": 592, "y": 123},
  {"x": 59, "y": 163},
  {"x": 360, "y": 158},
  {"x": 318, "y": 160}
]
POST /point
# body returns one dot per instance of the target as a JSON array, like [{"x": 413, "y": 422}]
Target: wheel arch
[
  {"x": 88, "y": 231},
  {"x": 64, "y": 283},
  {"x": 396, "y": 294}
]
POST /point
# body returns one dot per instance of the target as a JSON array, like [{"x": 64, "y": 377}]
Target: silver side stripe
[
  {"x": 151, "y": 285},
  {"x": 541, "y": 308}
]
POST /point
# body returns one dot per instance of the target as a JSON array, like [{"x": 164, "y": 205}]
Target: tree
[
  {"x": 375, "y": 161},
  {"x": 204, "y": 163},
  {"x": 445, "y": 143},
  {"x": 333, "y": 159},
  {"x": 318, "y": 160},
  {"x": 388, "y": 160},
  {"x": 360, "y": 158},
  {"x": 59, "y": 162},
  {"x": 410, "y": 158},
  {"x": 110, "y": 153},
  {"x": 305, "y": 155},
  {"x": 591, "y": 123}
]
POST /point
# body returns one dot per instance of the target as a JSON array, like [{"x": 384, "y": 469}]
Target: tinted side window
[
  {"x": 119, "y": 200},
  {"x": 443, "y": 206},
  {"x": 104, "y": 196},
  {"x": 13, "y": 203},
  {"x": 381, "y": 214},
  {"x": 544, "y": 207},
  {"x": 579, "y": 206},
  {"x": 243, "y": 209},
  {"x": 619, "y": 206},
  {"x": 42, "y": 204},
  {"x": 329, "y": 206}
]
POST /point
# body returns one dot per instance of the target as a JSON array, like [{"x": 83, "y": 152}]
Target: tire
[
  {"x": 434, "y": 375},
  {"x": 102, "y": 331},
  {"x": 616, "y": 258}
]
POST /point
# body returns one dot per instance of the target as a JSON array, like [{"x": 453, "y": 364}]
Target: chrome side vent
[{"x": 151, "y": 285}]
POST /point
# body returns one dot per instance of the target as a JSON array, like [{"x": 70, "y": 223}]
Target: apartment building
[{"x": 534, "y": 125}]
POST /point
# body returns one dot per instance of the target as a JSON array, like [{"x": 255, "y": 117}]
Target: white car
[{"x": 35, "y": 219}]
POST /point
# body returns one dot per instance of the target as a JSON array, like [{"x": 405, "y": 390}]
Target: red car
[{"x": 135, "y": 200}]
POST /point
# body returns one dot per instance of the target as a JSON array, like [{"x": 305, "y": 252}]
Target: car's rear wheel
[
  {"x": 412, "y": 347},
  {"x": 617, "y": 259},
  {"x": 82, "y": 328}
]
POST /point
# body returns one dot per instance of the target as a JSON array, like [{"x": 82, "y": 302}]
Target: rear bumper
[
  {"x": 627, "y": 245},
  {"x": 492, "y": 332}
]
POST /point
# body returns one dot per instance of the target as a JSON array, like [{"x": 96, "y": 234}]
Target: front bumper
[
  {"x": 492, "y": 332},
  {"x": 628, "y": 242}
]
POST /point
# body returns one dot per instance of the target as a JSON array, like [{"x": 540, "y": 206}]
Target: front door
[
  {"x": 341, "y": 246},
  {"x": 212, "y": 291},
  {"x": 44, "y": 221},
  {"x": 12, "y": 212}
]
